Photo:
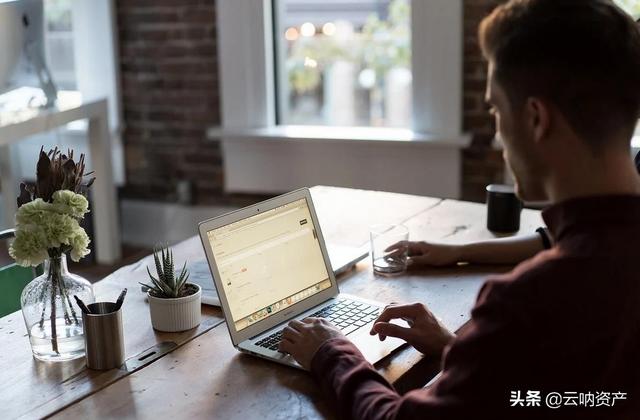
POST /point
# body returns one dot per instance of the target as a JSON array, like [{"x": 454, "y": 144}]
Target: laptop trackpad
[{"x": 372, "y": 348}]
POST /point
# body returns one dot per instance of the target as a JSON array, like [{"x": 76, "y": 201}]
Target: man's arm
[
  {"x": 511, "y": 250},
  {"x": 477, "y": 368}
]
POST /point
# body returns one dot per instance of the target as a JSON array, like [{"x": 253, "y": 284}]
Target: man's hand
[
  {"x": 425, "y": 333},
  {"x": 423, "y": 254},
  {"x": 302, "y": 339}
]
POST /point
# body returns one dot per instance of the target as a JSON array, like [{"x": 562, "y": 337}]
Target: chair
[{"x": 13, "y": 278}]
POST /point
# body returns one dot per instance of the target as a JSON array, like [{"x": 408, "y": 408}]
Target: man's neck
[{"x": 589, "y": 176}]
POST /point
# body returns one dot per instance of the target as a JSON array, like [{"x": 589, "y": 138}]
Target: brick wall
[
  {"x": 481, "y": 165},
  {"x": 170, "y": 96},
  {"x": 168, "y": 63}
]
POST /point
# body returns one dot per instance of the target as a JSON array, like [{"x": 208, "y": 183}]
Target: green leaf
[
  {"x": 183, "y": 271},
  {"x": 157, "y": 261},
  {"x": 163, "y": 289},
  {"x": 145, "y": 285},
  {"x": 149, "y": 288},
  {"x": 182, "y": 279},
  {"x": 160, "y": 285},
  {"x": 168, "y": 269}
]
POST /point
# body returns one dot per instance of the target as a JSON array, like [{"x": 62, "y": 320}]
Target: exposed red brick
[
  {"x": 169, "y": 70},
  {"x": 482, "y": 165}
]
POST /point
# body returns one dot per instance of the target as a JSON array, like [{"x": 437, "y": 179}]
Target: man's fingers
[
  {"x": 395, "y": 254},
  {"x": 297, "y": 325},
  {"x": 286, "y": 346},
  {"x": 401, "y": 244},
  {"x": 385, "y": 329},
  {"x": 413, "y": 248},
  {"x": 419, "y": 260},
  {"x": 410, "y": 311},
  {"x": 290, "y": 334},
  {"x": 417, "y": 248}
]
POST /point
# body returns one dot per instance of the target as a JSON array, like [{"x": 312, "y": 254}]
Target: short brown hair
[{"x": 581, "y": 55}]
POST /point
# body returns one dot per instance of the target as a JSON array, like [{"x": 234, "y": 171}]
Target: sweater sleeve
[{"x": 471, "y": 363}]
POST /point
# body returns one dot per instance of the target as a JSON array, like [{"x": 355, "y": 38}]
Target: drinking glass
[{"x": 389, "y": 248}]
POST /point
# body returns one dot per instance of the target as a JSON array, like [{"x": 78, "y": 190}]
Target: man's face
[{"x": 520, "y": 152}]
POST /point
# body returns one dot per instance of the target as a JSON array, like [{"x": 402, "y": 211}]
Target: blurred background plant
[{"x": 349, "y": 72}]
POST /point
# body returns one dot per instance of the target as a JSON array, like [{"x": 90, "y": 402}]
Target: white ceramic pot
[{"x": 177, "y": 314}]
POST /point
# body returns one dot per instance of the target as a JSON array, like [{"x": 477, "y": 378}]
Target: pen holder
[{"x": 103, "y": 336}]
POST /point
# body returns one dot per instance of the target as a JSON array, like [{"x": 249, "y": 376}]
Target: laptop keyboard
[{"x": 347, "y": 315}]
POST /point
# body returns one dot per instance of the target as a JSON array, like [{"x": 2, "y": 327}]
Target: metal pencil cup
[{"x": 103, "y": 337}]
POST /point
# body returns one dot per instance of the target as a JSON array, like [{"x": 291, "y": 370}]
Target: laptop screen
[{"x": 269, "y": 262}]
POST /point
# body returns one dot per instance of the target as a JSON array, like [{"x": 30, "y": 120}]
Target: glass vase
[{"x": 52, "y": 316}]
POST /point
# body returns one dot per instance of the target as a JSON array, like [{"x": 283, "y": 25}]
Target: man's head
[{"x": 564, "y": 77}]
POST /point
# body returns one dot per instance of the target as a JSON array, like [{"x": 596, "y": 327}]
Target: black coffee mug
[{"x": 503, "y": 209}]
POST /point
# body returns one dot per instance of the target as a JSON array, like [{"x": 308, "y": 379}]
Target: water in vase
[{"x": 70, "y": 342}]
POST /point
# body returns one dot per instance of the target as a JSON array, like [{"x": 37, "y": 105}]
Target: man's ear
[{"x": 538, "y": 118}]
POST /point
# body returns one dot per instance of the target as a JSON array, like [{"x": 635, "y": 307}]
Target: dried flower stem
[
  {"x": 54, "y": 332},
  {"x": 44, "y": 307},
  {"x": 63, "y": 298}
]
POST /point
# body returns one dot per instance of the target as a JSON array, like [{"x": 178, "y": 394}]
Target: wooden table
[{"x": 204, "y": 376}]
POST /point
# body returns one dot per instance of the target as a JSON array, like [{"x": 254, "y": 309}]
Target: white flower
[
  {"x": 30, "y": 246},
  {"x": 33, "y": 212},
  {"x": 41, "y": 226},
  {"x": 59, "y": 229},
  {"x": 79, "y": 245},
  {"x": 68, "y": 202}
]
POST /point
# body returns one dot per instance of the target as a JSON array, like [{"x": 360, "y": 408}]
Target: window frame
[
  {"x": 280, "y": 52},
  {"x": 252, "y": 142},
  {"x": 246, "y": 41}
]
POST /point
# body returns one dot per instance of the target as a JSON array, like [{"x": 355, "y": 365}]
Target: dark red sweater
[{"x": 566, "y": 321}]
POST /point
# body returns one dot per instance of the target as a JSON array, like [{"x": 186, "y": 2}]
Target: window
[
  {"x": 630, "y": 6},
  {"x": 260, "y": 108},
  {"x": 343, "y": 62},
  {"x": 58, "y": 34},
  {"x": 633, "y": 8}
]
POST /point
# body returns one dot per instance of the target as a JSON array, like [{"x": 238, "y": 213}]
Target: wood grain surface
[
  {"x": 33, "y": 389},
  {"x": 207, "y": 377}
]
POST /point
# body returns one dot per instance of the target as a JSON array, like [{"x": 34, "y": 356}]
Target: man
[{"x": 564, "y": 87}]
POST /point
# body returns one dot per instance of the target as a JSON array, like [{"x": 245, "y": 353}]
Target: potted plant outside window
[{"x": 174, "y": 303}]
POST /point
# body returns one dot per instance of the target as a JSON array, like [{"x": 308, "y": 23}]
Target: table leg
[
  {"x": 105, "y": 208},
  {"x": 9, "y": 175}
]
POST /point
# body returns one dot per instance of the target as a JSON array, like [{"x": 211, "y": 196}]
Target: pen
[
  {"x": 120, "y": 299},
  {"x": 82, "y": 305}
]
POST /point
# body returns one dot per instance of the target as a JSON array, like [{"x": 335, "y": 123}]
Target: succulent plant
[{"x": 167, "y": 285}]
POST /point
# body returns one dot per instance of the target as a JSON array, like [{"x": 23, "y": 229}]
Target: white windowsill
[
  {"x": 345, "y": 135},
  {"x": 283, "y": 158}
]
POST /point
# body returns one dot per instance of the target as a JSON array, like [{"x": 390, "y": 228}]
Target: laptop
[
  {"x": 343, "y": 258},
  {"x": 270, "y": 265}
]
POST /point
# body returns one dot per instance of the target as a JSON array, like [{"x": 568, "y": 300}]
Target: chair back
[{"x": 13, "y": 278}]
